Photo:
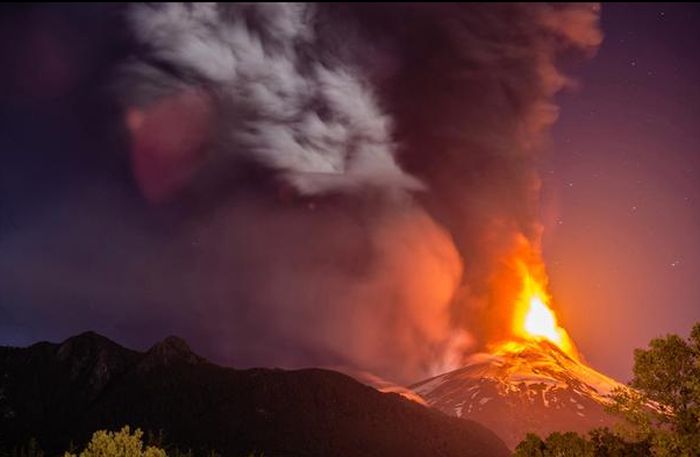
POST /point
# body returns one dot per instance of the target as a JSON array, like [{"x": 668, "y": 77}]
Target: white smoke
[{"x": 283, "y": 101}]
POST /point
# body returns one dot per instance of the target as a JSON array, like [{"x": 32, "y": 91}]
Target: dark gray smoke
[{"x": 323, "y": 184}]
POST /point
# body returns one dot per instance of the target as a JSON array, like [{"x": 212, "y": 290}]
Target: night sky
[
  {"x": 621, "y": 194},
  {"x": 622, "y": 237}
]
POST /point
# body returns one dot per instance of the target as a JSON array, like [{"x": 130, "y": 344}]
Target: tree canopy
[
  {"x": 661, "y": 409},
  {"x": 664, "y": 405},
  {"x": 118, "y": 444}
]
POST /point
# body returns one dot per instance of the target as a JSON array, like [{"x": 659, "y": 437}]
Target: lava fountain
[
  {"x": 534, "y": 319},
  {"x": 520, "y": 290}
]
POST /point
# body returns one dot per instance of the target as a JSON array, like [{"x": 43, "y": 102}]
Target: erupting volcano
[{"x": 536, "y": 381}]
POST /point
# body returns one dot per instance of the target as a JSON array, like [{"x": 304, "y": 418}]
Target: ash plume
[
  {"x": 283, "y": 99},
  {"x": 331, "y": 185}
]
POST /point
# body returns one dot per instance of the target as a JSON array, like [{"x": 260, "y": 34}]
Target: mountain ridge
[{"x": 63, "y": 392}]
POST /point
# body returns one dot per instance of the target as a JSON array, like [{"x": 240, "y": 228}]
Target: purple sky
[{"x": 623, "y": 189}]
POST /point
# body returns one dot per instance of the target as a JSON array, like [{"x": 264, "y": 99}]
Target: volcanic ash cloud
[{"x": 342, "y": 183}]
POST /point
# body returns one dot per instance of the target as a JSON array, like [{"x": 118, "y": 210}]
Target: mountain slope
[
  {"x": 520, "y": 388},
  {"x": 60, "y": 393}
]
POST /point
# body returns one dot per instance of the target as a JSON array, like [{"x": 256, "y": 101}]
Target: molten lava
[
  {"x": 540, "y": 321},
  {"x": 534, "y": 319}
]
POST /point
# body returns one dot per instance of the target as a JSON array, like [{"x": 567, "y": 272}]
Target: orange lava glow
[{"x": 533, "y": 317}]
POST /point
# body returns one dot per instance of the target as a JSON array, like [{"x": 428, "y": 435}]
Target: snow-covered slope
[{"x": 523, "y": 387}]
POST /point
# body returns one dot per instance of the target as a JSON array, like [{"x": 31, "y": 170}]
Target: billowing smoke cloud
[
  {"x": 473, "y": 97},
  {"x": 324, "y": 185},
  {"x": 283, "y": 98},
  {"x": 367, "y": 288}
]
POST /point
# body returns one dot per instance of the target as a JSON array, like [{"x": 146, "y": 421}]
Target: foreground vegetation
[
  {"x": 123, "y": 443},
  {"x": 661, "y": 415},
  {"x": 118, "y": 444}
]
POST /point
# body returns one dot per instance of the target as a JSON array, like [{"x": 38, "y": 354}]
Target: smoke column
[{"x": 326, "y": 184}]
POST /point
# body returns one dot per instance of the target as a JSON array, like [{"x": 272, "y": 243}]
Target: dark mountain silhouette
[{"x": 60, "y": 393}]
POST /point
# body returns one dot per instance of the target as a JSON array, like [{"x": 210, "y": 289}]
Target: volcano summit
[{"x": 523, "y": 387}]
